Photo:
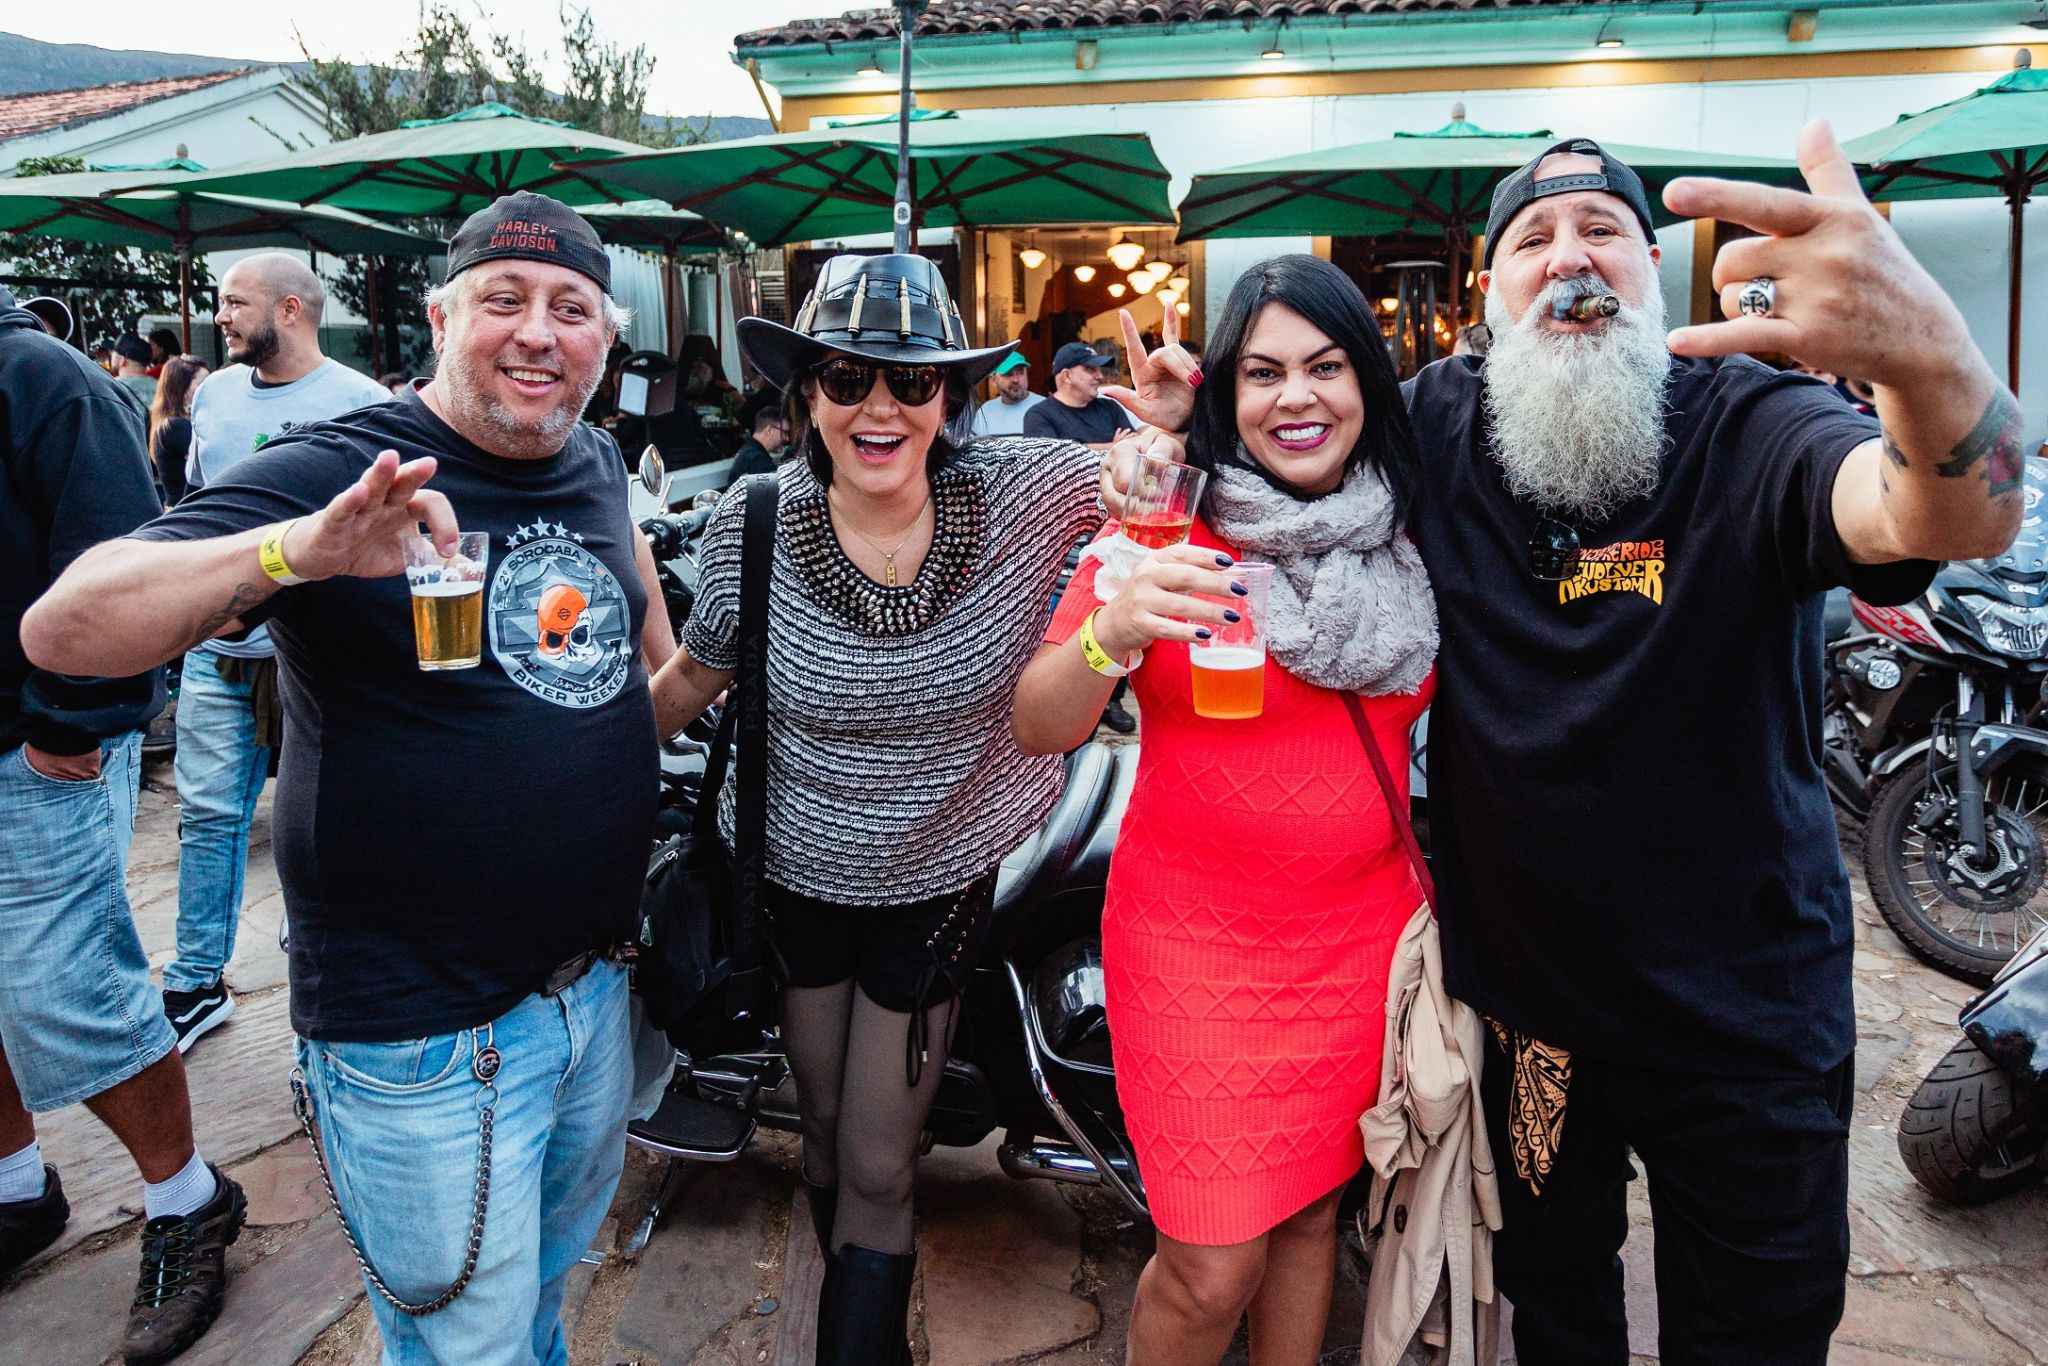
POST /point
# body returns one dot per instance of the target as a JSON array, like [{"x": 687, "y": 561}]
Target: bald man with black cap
[
  {"x": 1629, "y": 534},
  {"x": 461, "y": 850}
]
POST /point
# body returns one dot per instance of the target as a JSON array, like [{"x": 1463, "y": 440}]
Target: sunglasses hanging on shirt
[
  {"x": 848, "y": 382},
  {"x": 1553, "y": 550}
]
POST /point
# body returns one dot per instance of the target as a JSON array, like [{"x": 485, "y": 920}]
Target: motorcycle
[
  {"x": 1977, "y": 1126},
  {"x": 1934, "y": 735}
]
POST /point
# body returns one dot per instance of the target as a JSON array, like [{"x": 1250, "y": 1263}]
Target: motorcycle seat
[{"x": 1033, "y": 871}]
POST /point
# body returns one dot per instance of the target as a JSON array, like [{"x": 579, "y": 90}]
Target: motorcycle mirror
[
  {"x": 654, "y": 474},
  {"x": 707, "y": 498}
]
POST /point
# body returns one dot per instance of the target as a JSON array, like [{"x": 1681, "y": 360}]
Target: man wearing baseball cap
[
  {"x": 1004, "y": 415},
  {"x": 1629, "y": 533},
  {"x": 1076, "y": 410},
  {"x": 461, "y": 849}
]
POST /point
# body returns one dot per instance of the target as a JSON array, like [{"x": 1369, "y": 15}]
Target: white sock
[
  {"x": 191, "y": 1188},
  {"x": 21, "y": 1174}
]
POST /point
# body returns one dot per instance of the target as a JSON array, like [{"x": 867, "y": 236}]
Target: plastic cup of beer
[
  {"x": 1228, "y": 670},
  {"x": 1160, "y": 503},
  {"x": 447, "y": 598}
]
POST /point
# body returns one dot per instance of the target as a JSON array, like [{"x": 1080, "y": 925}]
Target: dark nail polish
[
  {"x": 1224, "y": 561},
  {"x": 1232, "y": 617},
  {"x": 1201, "y": 633},
  {"x": 1240, "y": 590}
]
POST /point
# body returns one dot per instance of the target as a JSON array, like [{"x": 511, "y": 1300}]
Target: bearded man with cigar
[
  {"x": 1629, "y": 534},
  {"x": 461, "y": 849}
]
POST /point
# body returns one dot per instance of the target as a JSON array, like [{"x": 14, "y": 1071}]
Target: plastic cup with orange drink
[{"x": 1228, "y": 669}]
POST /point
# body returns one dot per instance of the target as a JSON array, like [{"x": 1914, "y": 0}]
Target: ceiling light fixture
[
  {"x": 1126, "y": 254},
  {"x": 1159, "y": 268},
  {"x": 1178, "y": 284},
  {"x": 1167, "y": 298},
  {"x": 1084, "y": 273},
  {"x": 1142, "y": 282},
  {"x": 1181, "y": 308},
  {"x": 872, "y": 67},
  {"x": 1274, "y": 52},
  {"x": 1118, "y": 290},
  {"x": 1606, "y": 39},
  {"x": 1031, "y": 257}
]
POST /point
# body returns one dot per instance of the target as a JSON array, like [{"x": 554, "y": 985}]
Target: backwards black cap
[
  {"x": 530, "y": 227},
  {"x": 1522, "y": 189}
]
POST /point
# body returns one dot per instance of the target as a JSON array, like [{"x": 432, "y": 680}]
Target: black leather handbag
[{"x": 699, "y": 973}]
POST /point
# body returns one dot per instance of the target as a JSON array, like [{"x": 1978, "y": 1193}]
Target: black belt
[{"x": 570, "y": 973}]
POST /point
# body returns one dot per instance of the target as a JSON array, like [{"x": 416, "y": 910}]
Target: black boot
[
  {"x": 864, "y": 1308},
  {"x": 824, "y": 1203},
  {"x": 29, "y": 1226}
]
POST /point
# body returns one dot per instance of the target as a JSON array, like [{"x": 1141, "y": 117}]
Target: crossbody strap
[
  {"x": 750, "y": 739},
  {"x": 1396, "y": 808}
]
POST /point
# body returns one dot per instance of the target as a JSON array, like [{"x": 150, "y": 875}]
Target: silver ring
[{"x": 1757, "y": 298}]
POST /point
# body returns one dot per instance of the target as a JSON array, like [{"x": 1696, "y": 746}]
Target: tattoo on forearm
[
  {"x": 246, "y": 595},
  {"x": 1995, "y": 443}
]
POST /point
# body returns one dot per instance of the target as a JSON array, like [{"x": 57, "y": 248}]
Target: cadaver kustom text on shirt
[{"x": 444, "y": 839}]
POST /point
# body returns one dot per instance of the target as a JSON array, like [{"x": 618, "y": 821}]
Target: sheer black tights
[{"x": 862, "y": 1122}]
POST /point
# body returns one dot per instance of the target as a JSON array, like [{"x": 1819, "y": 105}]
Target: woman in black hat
[{"x": 911, "y": 574}]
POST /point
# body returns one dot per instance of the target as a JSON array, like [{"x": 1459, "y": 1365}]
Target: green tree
[
  {"x": 448, "y": 65},
  {"x": 108, "y": 288}
]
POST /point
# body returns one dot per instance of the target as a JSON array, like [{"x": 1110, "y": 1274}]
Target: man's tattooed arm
[
  {"x": 245, "y": 596},
  {"x": 1993, "y": 443}
]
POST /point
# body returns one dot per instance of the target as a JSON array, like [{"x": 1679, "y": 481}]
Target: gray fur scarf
[{"x": 1351, "y": 607}]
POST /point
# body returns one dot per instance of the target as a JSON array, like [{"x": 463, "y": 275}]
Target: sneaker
[
  {"x": 29, "y": 1226},
  {"x": 184, "y": 1275},
  {"x": 192, "y": 1013},
  {"x": 1117, "y": 719}
]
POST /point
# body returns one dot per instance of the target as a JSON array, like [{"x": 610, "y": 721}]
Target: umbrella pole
[
  {"x": 185, "y": 297},
  {"x": 2017, "y": 198},
  {"x": 1457, "y": 300},
  {"x": 370, "y": 306},
  {"x": 906, "y": 19}
]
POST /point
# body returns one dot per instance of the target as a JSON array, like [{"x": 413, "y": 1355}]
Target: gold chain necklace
[{"x": 889, "y": 556}]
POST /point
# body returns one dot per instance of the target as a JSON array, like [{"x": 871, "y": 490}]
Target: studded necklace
[{"x": 889, "y": 556}]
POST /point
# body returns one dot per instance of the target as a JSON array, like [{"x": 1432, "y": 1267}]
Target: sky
[{"x": 690, "y": 40}]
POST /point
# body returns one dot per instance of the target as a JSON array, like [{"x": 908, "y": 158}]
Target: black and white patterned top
[{"x": 892, "y": 774}]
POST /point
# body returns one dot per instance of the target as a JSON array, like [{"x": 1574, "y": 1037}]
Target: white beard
[
  {"x": 511, "y": 437},
  {"x": 1578, "y": 418}
]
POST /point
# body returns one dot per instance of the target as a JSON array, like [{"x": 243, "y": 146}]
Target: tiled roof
[
  {"x": 46, "y": 111},
  {"x": 1010, "y": 16}
]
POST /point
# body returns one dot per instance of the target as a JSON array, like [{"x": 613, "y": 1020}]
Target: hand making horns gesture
[
  {"x": 1163, "y": 381},
  {"x": 1843, "y": 293}
]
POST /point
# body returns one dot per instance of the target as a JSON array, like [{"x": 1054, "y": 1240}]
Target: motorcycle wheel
[
  {"x": 1915, "y": 876},
  {"x": 1963, "y": 1137}
]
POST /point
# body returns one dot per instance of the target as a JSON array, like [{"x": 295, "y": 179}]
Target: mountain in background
[{"x": 28, "y": 65}]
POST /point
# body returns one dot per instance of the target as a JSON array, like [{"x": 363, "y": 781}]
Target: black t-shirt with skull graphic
[{"x": 445, "y": 839}]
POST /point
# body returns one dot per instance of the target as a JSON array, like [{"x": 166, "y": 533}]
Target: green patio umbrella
[
  {"x": 1992, "y": 141},
  {"x": 840, "y": 182},
  {"x": 431, "y": 168},
  {"x": 107, "y": 208},
  {"x": 1438, "y": 183}
]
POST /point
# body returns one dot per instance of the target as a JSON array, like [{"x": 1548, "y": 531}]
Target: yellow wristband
[
  {"x": 271, "y": 553},
  {"x": 1097, "y": 657}
]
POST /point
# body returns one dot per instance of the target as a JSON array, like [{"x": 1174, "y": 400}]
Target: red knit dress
[{"x": 1254, "y": 899}]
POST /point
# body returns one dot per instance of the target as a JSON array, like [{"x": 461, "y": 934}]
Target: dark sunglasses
[
  {"x": 848, "y": 382},
  {"x": 1553, "y": 550}
]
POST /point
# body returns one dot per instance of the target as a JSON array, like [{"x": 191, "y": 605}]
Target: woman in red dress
[{"x": 1258, "y": 884}]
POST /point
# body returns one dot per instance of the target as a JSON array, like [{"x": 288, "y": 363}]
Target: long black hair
[{"x": 1327, "y": 298}]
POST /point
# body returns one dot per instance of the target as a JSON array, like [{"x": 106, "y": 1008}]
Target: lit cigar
[{"x": 1585, "y": 308}]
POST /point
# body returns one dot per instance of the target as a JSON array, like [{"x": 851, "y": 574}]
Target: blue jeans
[
  {"x": 220, "y": 770},
  {"x": 398, "y": 1122},
  {"x": 77, "y": 1012}
]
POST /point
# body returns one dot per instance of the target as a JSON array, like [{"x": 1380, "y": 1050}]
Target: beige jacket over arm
[{"x": 1435, "y": 1202}]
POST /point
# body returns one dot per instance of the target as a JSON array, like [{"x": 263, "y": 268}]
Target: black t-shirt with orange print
[{"x": 1633, "y": 846}]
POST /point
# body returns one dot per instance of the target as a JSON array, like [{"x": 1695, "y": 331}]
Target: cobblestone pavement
[{"x": 1010, "y": 1271}]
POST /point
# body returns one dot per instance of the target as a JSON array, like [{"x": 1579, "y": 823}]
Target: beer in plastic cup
[
  {"x": 447, "y": 598},
  {"x": 1161, "y": 501},
  {"x": 1228, "y": 670}
]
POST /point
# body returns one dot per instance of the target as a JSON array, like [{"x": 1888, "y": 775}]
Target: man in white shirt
[
  {"x": 1004, "y": 414},
  {"x": 270, "y": 307}
]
